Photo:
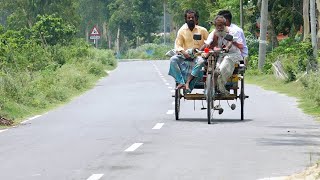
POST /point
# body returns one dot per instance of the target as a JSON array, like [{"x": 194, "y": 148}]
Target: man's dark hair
[
  {"x": 189, "y": 11},
  {"x": 226, "y": 14}
]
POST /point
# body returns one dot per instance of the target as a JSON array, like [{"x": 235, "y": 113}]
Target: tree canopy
[{"x": 138, "y": 20}]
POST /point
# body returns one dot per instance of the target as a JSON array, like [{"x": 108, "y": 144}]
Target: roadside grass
[
  {"x": 27, "y": 94},
  {"x": 306, "y": 103},
  {"x": 292, "y": 89}
]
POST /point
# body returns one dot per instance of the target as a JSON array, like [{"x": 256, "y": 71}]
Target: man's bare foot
[
  {"x": 187, "y": 88},
  {"x": 181, "y": 86}
]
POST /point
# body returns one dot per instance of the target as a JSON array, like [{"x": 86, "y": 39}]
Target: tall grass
[{"x": 67, "y": 72}]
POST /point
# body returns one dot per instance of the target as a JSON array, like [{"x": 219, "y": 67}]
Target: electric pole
[
  {"x": 164, "y": 22},
  {"x": 263, "y": 34}
]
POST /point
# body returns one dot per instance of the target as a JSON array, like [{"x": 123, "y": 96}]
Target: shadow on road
[
  {"x": 293, "y": 136},
  {"x": 215, "y": 121}
]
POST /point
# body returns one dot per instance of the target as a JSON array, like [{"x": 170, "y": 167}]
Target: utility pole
[
  {"x": 118, "y": 43},
  {"x": 313, "y": 28},
  {"x": 263, "y": 34},
  {"x": 164, "y": 22}
]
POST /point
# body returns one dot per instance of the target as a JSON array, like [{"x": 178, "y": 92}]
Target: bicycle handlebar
[{"x": 211, "y": 51}]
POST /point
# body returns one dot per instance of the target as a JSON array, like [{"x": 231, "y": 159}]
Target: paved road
[{"x": 124, "y": 129}]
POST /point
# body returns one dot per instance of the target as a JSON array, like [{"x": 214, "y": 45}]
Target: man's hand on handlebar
[
  {"x": 205, "y": 55},
  {"x": 226, "y": 49}
]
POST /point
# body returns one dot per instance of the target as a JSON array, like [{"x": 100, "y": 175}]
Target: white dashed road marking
[
  {"x": 158, "y": 126},
  {"x": 95, "y": 176},
  {"x": 170, "y": 111},
  {"x": 274, "y": 178},
  {"x": 133, "y": 147},
  {"x": 3, "y": 130}
]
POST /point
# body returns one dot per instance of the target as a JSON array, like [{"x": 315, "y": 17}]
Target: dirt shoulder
[{"x": 311, "y": 173}]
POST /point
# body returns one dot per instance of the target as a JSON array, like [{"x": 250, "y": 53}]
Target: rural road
[{"x": 124, "y": 129}]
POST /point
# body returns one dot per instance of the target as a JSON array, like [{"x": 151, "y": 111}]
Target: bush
[
  {"x": 311, "y": 84},
  {"x": 51, "y": 30},
  {"x": 44, "y": 76},
  {"x": 295, "y": 57}
]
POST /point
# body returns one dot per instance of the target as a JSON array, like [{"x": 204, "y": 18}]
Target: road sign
[
  {"x": 94, "y": 37},
  {"x": 94, "y": 32}
]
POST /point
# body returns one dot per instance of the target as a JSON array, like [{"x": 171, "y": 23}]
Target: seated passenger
[
  {"x": 181, "y": 65},
  {"x": 226, "y": 63}
]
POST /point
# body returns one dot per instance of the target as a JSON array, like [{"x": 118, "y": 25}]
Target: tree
[
  {"x": 313, "y": 28},
  {"x": 142, "y": 20},
  {"x": 263, "y": 33},
  {"x": 23, "y": 13},
  {"x": 318, "y": 18},
  {"x": 306, "y": 21},
  {"x": 178, "y": 7}
]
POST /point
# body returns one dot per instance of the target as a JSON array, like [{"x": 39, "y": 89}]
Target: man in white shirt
[
  {"x": 228, "y": 16},
  {"x": 226, "y": 63}
]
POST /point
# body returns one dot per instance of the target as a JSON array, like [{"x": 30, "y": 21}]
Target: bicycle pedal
[{"x": 217, "y": 107}]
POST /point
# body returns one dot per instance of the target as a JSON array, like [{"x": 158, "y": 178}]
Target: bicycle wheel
[
  {"x": 177, "y": 98},
  {"x": 242, "y": 97},
  {"x": 209, "y": 90}
]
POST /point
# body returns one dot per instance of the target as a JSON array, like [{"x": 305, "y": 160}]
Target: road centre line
[
  {"x": 170, "y": 111},
  {"x": 95, "y": 176},
  {"x": 158, "y": 126},
  {"x": 133, "y": 147}
]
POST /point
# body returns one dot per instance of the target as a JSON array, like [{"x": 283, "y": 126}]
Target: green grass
[
  {"x": 27, "y": 94},
  {"x": 292, "y": 89}
]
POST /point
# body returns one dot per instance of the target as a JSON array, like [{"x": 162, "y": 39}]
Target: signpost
[{"x": 95, "y": 35}]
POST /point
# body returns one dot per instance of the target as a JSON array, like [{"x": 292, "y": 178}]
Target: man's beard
[
  {"x": 191, "y": 24},
  {"x": 221, "y": 33}
]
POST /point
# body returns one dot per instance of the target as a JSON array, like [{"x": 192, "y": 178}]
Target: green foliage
[
  {"x": 23, "y": 13},
  {"x": 41, "y": 80},
  {"x": 311, "y": 84},
  {"x": 148, "y": 51},
  {"x": 287, "y": 17},
  {"x": 295, "y": 57},
  {"x": 51, "y": 30},
  {"x": 205, "y": 8},
  {"x": 253, "y": 47},
  {"x": 136, "y": 19}
]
